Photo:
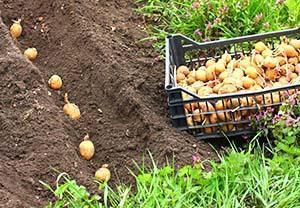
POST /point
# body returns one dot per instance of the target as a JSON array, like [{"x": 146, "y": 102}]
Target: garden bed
[{"x": 116, "y": 82}]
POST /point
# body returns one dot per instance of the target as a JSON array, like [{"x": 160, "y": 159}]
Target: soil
[{"x": 116, "y": 80}]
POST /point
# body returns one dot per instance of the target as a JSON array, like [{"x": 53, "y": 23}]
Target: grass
[
  {"x": 204, "y": 20},
  {"x": 68, "y": 193},
  {"x": 242, "y": 179}
]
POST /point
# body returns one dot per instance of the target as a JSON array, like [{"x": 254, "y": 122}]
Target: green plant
[
  {"x": 204, "y": 20},
  {"x": 241, "y": 179},
  {"x": 284, "y": 126},
  {"x": 69, "y": 194}
]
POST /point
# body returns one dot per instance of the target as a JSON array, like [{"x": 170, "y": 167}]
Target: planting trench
[{"x": 114, "y": 79}]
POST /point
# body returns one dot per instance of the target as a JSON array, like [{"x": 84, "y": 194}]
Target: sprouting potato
[
  {"x": 226, "y": 57},
  {"x": 184, "y": 70},
  {"x": 205, "y": 91},
  {"x": 260, "y": 47},
  {"x": 206, "y": 107},
  {"x": 213, "y": 118},
  {"x": 233, "y": 103},
  {"x": 272, "y": 74},
  {"x": 224, "y": 75},
  {"x": 86, "y": 148},
  {"x": 251, "y": 72},
  {"x": 238, "y": 73},
  {"x": 295, "y": 43},
  {"x": 188, "y": 107},
  {"x": 267, "y": 53},
  {"x": 31, "y": 53},
  {"x": 180, "y": 77},
  {"x": 224, "y": 116},
  {"x": 259, "y": 59},
  {"x": 16, "y": 29},
  {"x": 197, "y": 116},
  {"x": 293, "y": 76},
  {"x": 210, "y": 62},
  {"x": 247, "y": 82},
  {"x": 295, "y": 81},
  {"x": 233, "y": 64},
  {"x": 244, "y": 64},
  {"x": 211, "y": 68},
  {"x": 235, "y": 81},
  {"x": 289, "y": 51},
  {"x": 201, "y": 75},
  {"x": 217, "y": 87},
  {"x": 228, "y": 89},
  {"x": 293, "y": 60},
  {"x": 192, "y": 74},
  {"x": 197, "y": 85},
  {"x": 280, "y": 60},
  {"x": 103, "y": 174},
  {"x": 191, "y": 80},
  {"x": 219, "y": 67},
  {"x": 269, "y": 62},
  {"x": 283, "y": 80},
  {"x": 70, "y": 109},
  {"x": 287, "y": 68},
  {"x": 211, "y": 72},
  {"x": 189, "y": 121},
  {"x": 220, "y": 105}
]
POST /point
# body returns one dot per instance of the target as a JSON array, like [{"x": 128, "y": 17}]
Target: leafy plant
[
  {"x": 284, "y": 126},
  {"x": 69, "y": 194}
]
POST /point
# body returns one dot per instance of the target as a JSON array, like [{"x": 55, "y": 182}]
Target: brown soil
[{"x": 93, "y": 46}]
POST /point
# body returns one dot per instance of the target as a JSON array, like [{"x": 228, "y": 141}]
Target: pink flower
[
  {"x": 245, "y": 137},
  {"x": 196, "y": 5},
  {"x": 217, "y": 20},
  {"x": 279, "y": 2},
  {"x": 291, "y": 121},
  {"x": 208, "y": 26},
  {"x": 198, "y": 32},
  {"x": 196, "y": 158}
]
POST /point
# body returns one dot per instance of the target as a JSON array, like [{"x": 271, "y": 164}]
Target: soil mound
[{"x": 114, "y": 79}]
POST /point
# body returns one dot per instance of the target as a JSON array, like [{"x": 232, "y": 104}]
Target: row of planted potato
[
  {"x": 86, "y": 147},
  {"x": 266, "y": 67}
]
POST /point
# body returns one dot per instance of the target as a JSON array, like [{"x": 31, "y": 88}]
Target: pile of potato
[{"x": 263, "y": 68}]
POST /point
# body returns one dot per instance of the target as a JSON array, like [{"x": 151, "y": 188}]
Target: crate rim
[
  {"x": 169, "y": 87},
  {"x": 232, "y": 40}
]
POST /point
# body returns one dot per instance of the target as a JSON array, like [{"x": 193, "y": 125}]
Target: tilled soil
[{"x": 115, "y": 80}]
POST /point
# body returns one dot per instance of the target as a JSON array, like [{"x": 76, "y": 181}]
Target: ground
[{"x": 115, "y": 79}]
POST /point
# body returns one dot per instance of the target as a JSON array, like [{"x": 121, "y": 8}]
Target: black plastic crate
[{"x": 211, "y": 122}]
